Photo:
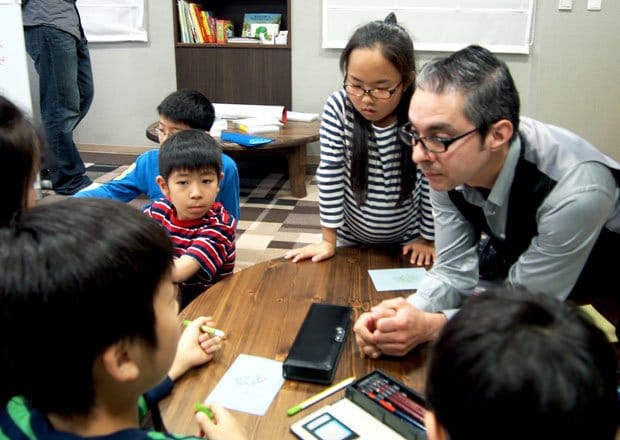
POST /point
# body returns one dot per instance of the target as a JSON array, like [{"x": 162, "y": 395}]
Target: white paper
[
  {"x": 397, "y": 279},
  {"x": 302, "y": 117},
  {"x": 218, "y": 126},
  {"x": 249, "y": 385},
  {"x": 254, "y": 122},
  {"x": 254, "y": 129},
  {"x": 232, "y": 111}
]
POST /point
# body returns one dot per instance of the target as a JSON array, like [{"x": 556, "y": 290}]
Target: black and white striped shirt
[{"x": 379, "y": 220}]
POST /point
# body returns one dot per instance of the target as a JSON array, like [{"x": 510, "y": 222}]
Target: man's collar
[{"x": 501, "y": 188}]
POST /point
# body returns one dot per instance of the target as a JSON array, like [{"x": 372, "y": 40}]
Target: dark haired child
[
  {"x": 89, "y": 322},
  {"x": 512, "y": 365},
  {"x": 20, "y": 149},
  {"x": 202, "y": 231},
  {"x": 370, "y": 191},
  {"x": 178, "y": 111}
]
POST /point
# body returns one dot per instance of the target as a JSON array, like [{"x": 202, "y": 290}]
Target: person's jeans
[{"x": 65, "y": 93}]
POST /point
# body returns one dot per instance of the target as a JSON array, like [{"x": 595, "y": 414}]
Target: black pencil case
[{"x": 314, "y": 355}]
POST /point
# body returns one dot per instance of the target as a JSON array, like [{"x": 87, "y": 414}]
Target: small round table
[
  {"x": 262, "y": 308},
  {"x": 291, "y": 140}
]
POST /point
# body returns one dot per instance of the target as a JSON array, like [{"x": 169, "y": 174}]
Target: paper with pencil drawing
[
  {"x": 249, "y": 385},
  {"x": 397, "y": 279}
]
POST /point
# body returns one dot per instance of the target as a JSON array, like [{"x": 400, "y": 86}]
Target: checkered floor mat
[{"x": 272, "y": 221}]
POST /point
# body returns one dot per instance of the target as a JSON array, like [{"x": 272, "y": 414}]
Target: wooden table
[
  {"x": 292, "y": 140},
  {"x": 262, "y": 307}
]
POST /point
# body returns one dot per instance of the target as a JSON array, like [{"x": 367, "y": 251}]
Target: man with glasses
[{"x": 543, "y": 201}]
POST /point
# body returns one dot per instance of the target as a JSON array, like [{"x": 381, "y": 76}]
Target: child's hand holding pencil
[{"x": 195, "y": 347}]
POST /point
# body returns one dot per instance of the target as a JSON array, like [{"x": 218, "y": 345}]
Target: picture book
[
  {"x": 225, "y": 30},
  {"x": 262, "y": 18},
  {"x": 207, "y": 20},
  {"x": 264, "y": 31}
]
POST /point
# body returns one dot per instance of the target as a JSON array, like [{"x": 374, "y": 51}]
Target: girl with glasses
[{"x": 370, "y": 191}]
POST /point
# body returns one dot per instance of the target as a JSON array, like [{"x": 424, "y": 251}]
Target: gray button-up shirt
[
  {"x": 584, "y": 200},
  {"x": 61, "y": 14}
]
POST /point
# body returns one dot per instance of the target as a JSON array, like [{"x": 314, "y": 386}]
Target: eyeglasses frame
[
  {"x": 369, "y": 91},
  {"x": 161, "y": 132},
  {"x": 408, "y": 135}
]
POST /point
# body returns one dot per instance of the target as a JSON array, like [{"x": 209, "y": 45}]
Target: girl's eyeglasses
[{"x": 379, "y": 93}]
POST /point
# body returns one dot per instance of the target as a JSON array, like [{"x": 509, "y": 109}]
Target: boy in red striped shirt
[{"x": 202, "y": 231}]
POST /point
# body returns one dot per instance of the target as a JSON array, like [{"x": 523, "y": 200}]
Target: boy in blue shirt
[
  {"x": 88, "y": 323},
  {"x": 178, "y": 111}
]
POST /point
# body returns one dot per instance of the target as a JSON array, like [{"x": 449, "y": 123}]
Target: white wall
[
  {"x": 571, "y": 78},
  {"x": 131, "y": 79},
  {"x": 13, "y": 65}
]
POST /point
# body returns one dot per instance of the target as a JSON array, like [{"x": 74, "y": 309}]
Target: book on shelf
[
  {"x": 258, "y": 18},
  {"x": 187, "y": 24},
  {"x": 207, "y": 18},
  {"x": 224, "y": 30},
  {"x": 243, "y": 40},
  {"x": 195, "y": 24},
  {"x": 266, "y": 32},
  {"x": 183, "y": 29},
  {"x": 194, "y": 31},
  {"x": 196, "y": 14}
]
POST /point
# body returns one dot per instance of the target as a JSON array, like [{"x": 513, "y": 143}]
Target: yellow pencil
[
  {"x": 322, "y": 395},
  {"x": 205, "y": 328}
]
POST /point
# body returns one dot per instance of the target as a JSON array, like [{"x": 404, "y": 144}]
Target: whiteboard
[
  {"x": 106, "y": 21},
  {"x": 14, "y": 82},
  {"x": 502, "y": 26}
]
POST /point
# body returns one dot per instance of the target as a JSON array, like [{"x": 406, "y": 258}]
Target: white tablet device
[{"x": 343, "y": 420}]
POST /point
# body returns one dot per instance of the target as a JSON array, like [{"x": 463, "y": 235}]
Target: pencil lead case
[{"x": 315, "y": 352}]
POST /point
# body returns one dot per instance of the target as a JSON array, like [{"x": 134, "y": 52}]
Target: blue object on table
[{"x": 246, "y": 140}]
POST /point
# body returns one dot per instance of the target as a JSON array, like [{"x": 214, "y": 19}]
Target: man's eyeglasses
[
  {"x": 378, "y": 93},
  {"x": 433, "y": 144}
]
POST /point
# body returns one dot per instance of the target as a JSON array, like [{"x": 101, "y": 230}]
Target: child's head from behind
[
  {"x": 190, "y": 168},
  {"x": 87, "y": 304},
  {"x": 378, "y": 64},
  {"x": 20, "y": 146},
  {"x": 184, "y": 109},
  {"x": 513, "y": 365}
]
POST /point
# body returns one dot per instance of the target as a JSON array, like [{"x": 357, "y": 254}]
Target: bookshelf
[{"x": 232, "y": 72}]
